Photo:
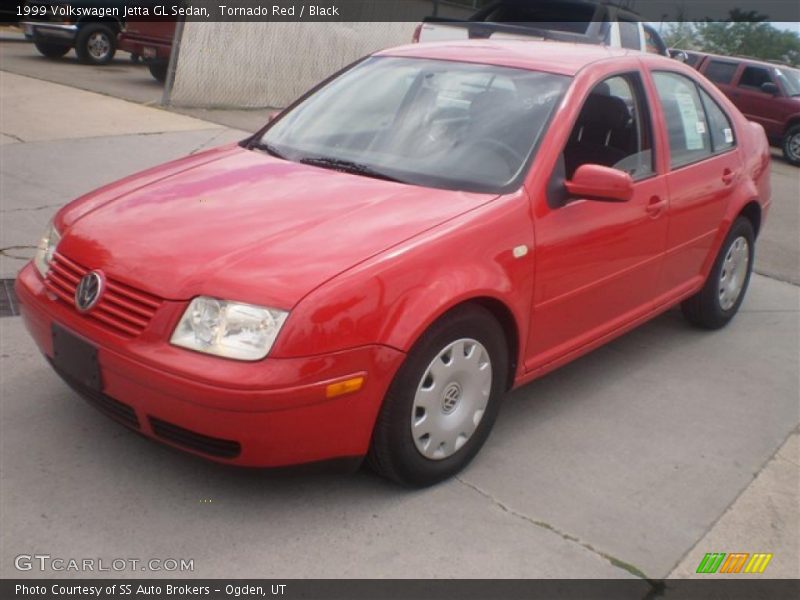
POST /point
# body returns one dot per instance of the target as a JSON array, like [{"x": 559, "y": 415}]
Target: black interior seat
[{"x": 602, "y": 134}]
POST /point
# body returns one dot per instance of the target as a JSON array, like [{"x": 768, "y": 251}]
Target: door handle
[
  {"x": 728, "y": 176},
  {"x": 656, "y": 206}
]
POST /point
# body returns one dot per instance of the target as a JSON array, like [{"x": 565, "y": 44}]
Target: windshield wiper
[
  {"x": 348, "y": 166},
  {"x": 268, "y": 148}
]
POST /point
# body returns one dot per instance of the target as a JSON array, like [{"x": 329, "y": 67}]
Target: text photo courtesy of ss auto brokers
[{"x": 399, "y": 299}]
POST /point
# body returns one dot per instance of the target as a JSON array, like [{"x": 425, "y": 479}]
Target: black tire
[
  {"x": 96, "y": 44},
  {"x": 791, "y": 146},
  {"x": 158, "y": 70},
  {"x": 51, "y": 50},
  {"x": 705, "y": 309},
  {"x": 393, "y": 452}
]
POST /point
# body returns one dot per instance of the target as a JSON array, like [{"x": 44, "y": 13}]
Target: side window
[
  {"x": 753, "y": 77},
  {"x": 720, "y": 71},
  {"x": 722, "y": 137},
  {"x": 629, "y": 35},
  {"x": 689, "y": 140},
  {"x": 613, "y": 129}
]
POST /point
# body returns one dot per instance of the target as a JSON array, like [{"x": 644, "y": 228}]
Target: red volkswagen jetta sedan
[{"x": 370, "y": 273}]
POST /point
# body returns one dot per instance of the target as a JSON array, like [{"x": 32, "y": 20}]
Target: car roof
[{"x": 564, "y": 58}]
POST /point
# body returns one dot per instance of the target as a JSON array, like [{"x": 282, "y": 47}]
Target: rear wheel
[
  {"x": 719, "y": 300},
  {"x": 96, "y": 44},
  {"x": 791, "y": 145},
  {"x": 443, "y": 401},
  {"x": 51, "y": 50},
  {"x": 158, "y": 71}
]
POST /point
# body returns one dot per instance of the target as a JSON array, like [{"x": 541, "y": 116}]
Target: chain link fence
[{"x": 270, "y": 64}]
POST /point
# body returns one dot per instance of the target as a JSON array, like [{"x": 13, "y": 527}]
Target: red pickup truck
[
  {"x": 766, "y": 93},
  {"x": 152, "y": 41}
]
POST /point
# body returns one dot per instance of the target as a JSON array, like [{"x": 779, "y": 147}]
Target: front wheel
[
  {"x": 791, "y": 146},
  {"x": 51, "y": 50},
  {"x": 722, "y": 295},
  {"x": 96, "y": 44},
  {"x": 443, "y": 401}
]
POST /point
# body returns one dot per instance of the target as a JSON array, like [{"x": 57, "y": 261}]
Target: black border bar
[
  {"x": 655, "y": 11},
  {"x": 733, "y": 588}
]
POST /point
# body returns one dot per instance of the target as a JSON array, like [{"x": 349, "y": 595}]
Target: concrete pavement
[
  {"x": 764, "y": 518},
  {"x": 631, "y": 462},
  {"x": 120, "y": 79},
  {"x": 54, "y": 145},
  {"x": 779, "y": 243}
]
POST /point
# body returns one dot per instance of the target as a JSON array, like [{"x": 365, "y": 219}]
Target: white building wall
[{"x": 270, "y": 64}]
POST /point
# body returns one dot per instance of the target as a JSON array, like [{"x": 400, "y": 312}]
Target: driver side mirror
[
  {"x": 596, "y": 182},
  {"x": 770, "y": 88}
]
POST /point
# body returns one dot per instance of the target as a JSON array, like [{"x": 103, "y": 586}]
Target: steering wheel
[{"x": 512, "y": 156}]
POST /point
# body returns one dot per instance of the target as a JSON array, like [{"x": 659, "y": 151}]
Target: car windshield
[
  {"x": 790, "y": 78},
  {"x": 451, "y": 125}
]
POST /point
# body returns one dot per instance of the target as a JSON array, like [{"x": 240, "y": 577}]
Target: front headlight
[
  {"x": 45, "y": 249},
  {"x": 229, "y": 329}
]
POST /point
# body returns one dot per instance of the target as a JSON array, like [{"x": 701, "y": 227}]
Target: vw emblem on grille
[{"x": 89, "y": 290}]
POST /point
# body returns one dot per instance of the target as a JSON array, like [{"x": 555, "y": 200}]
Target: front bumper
[
  {"x": 269, "y": 413},
  {"x": 55, "y": 32}
]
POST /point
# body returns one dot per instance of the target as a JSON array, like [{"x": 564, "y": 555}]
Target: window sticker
[
  {"x": 728, "y": 135},
  {"x": 691, "y": 120},
  {"x": 701, "y": 127}
]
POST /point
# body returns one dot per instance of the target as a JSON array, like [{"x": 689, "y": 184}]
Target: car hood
[{"x": 246, "y": 226}]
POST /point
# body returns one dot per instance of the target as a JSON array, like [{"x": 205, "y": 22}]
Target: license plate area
[
  {"x": 149, "y": 52},
  {"x": 76, "y": 358}
]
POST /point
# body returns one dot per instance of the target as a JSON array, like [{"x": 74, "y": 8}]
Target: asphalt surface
[
  {"x": 120, "y": 79},
  {"x": 666, "y": 443}
]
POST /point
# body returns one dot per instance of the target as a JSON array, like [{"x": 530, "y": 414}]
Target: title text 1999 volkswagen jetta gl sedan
[{"x": 370, "y": 273}]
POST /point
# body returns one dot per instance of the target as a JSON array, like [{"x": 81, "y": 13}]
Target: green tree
[
  {"x": 681, "y": 34},
  {"x": 743, "y": 34}
]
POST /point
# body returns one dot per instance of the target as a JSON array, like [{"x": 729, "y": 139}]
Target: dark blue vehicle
[{"x": 89, "y": 26}]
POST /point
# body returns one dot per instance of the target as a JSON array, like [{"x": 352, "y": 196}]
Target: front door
[{"x": 598, "y": 263}]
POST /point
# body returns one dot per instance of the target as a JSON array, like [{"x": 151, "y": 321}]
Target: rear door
[{"x": 704, "y": 166}]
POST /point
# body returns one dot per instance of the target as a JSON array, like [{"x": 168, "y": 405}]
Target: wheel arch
[
  {"x": 501, "y": 312},
  {"x": 792, "y": 121},
  {"x": 112, "y": 22},
  {"x": 752, "y": 212}
]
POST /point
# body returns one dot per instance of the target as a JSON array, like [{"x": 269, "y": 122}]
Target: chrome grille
[{"x": 121, "y": 308}]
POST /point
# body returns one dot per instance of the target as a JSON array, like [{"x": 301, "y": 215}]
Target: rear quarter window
[
  {"x": 720, "y": 71},
  {"x": 719, "y": 124}
]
